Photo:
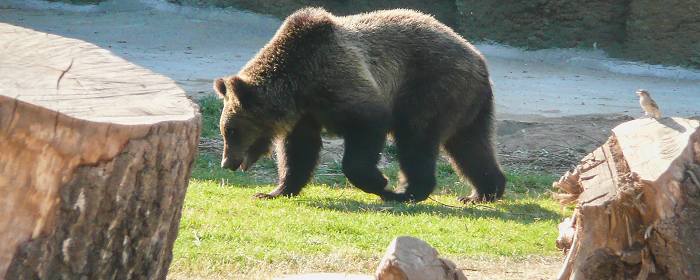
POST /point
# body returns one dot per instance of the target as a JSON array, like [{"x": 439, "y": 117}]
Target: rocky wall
[
  {"x": 442, "y": 10},
  {"x": 664, "y": 32},
  {"x": 654, "y": 31}
]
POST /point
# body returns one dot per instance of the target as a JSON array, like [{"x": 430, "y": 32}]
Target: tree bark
[
  {"x": 95, "y": 158},
  {"x": 638, "y": 212}
]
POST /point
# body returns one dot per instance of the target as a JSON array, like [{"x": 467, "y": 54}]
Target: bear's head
[{"x": 247, "y": 137}]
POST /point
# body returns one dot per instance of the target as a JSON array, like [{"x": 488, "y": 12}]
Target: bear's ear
[
  {"x": 220, "y": 87},
  {"x": 239, "y": 91}
]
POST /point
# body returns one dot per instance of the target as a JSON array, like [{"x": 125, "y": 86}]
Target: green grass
[
  {"x": 334, "y": 227},
  {"x": 210, "y": 107}
]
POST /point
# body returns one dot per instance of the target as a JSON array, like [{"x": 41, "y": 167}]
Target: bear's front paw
[
  {"x": 263, "y": 196},
  {"x": 273, "y": 194},
  {"x": 466, "y": 200},
  {"x": 396, "y": 197}
]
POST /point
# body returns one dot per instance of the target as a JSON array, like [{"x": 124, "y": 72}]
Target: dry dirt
[
  {"x": 552, "y": 145},
  {"x": 530, "y": 143},
  {"x": 474, "y": 269}
]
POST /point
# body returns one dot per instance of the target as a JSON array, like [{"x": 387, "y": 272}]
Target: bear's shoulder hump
[{"x": 309, "y": 20}]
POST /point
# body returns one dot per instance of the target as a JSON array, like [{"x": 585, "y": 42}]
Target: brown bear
[{"x": 363, "y": 77}]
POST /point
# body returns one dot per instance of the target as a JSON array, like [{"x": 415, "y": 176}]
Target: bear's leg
[
  {"x": 362, "y": 152},
  {"x": 473, "y": 157},
  {"x": 297, "y": 155},
  {"x": 417, "y": 155}
]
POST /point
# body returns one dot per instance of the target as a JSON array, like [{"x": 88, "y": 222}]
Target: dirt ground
[
  {"x": 552, "y": 145},
  {"x": 474, "y": 269},
  {"x": 530, "y": 144}
]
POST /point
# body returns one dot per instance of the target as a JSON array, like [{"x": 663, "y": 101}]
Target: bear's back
[
  {"x": 301, "y": 34},
  {"x": 400, "y": 45},
  {"x": 386, "y": 47}
]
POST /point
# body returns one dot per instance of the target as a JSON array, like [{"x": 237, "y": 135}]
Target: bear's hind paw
[
  {"x": 467, "y": 200},
  {"x": 476, "y": 199}
]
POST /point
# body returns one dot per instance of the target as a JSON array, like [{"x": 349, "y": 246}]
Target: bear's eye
[{"x": 232, "y": 131}]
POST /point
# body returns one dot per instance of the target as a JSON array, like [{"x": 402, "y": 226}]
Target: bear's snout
[{"x": 232, "y": 165}]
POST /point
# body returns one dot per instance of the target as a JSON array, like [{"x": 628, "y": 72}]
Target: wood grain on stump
[
  {"x": 638, "y": 212},
  {"x": 95, "y": 158}
]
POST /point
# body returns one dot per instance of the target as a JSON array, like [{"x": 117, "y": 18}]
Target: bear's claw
[
  {"x": 263, "y": 196},
  {"x": 476, "y": 199}
]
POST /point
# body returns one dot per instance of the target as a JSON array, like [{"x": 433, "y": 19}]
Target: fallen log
[
  {"x": 95, "y": 158},
  {"x": 638, "y": 205},
  {"x": 409, "y": 258}
]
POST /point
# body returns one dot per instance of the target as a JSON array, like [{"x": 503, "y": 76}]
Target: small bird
[{"x": 648, "y": 104}]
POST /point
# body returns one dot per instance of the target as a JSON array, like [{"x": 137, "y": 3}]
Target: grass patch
[
  {"x": 334, "y": 227},
  {"x": 210, "y": 106}
]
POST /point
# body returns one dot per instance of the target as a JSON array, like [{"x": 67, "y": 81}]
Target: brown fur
[{"x": 362, "y": 77}]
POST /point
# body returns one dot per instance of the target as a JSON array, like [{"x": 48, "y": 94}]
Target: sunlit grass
[
  {"x": 224, "y": 231},
  {"x": 334, "y": 227}
]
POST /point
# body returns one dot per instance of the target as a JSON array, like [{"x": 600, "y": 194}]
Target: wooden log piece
[
  {"x": 638, "y": 216},
  {"x": 409, "y": 258},
  {"x": 95, "y": 158},
  {"x": 328, "y": 276}
]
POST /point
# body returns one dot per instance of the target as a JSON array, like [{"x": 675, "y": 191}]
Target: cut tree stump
[
  {"x": 95, "y": 158},
  {"x": 638, "y": 211}
]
